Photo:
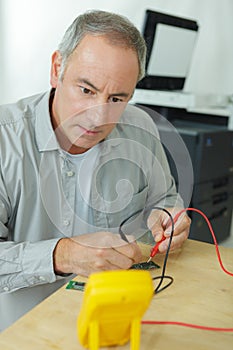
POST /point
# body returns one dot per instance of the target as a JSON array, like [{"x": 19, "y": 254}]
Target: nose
[{"x": 104, "y": 113}]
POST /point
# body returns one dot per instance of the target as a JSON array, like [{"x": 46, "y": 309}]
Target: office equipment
[
  {"x": 113, "y": 305},
  {"x": 210, "y": 148},
  {"x": 170, "y": 43},
  {"x": 209, "y": 143}
]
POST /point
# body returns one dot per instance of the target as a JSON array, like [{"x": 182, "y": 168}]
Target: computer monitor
[{"x": 170, "y": 43}]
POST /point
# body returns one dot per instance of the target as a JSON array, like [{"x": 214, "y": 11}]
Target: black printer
[{"x": 211, "y": 151}]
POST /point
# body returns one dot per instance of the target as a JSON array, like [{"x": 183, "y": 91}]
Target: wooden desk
[{"x": 201, "y": 294}]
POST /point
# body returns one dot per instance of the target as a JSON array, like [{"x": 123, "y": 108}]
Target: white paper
[{"x": 172, "y": 51}]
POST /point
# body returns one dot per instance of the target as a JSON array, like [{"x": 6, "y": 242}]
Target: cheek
[
  {"x": 69, "y": 104},
  {"x": 75, "y": 102},
  {"x": 108, "y": 129}
]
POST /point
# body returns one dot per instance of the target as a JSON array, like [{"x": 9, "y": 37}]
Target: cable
[
  {"x": 173, "y": 221},
  {"x": 212, "y": 233},
  {"x": 190, "y": 325},
  {"x": 163, "y": 276},
  {"x": 121, "y": 233}
]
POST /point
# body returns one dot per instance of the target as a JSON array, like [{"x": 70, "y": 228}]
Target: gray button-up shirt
[{"x": 37, "y": 193}]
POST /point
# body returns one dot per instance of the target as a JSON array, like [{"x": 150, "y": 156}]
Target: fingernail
[{"x": 158, "y": 236}]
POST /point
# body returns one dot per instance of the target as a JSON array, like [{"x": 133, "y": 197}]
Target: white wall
[{"x": 30, "y": 31}]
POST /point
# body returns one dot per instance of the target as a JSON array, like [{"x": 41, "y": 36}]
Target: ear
[{"x": 55, "y": 68}]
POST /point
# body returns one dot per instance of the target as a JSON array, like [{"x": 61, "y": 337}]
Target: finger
[
  {"x": 110, "y": 259},
  {"x": 157, "y": 233},
  {"x": 131, "y": 251},
  {"x": 102, "y": 259},
  {"x": 157, "y": 230},
  {"x": 120, "y": 261},
  {"x": 176, "y": 242},
  {"x": 181, "y": 225},
  {"x": 157, "y": 222}
]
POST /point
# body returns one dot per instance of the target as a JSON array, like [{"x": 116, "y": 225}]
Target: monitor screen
[{"x": 170, "y": 43}]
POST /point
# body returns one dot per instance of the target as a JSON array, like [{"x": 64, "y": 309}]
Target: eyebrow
[{"x": 87, "y": 82}]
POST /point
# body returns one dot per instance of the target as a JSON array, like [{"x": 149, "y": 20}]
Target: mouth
[{"x": 90, "y": 132}]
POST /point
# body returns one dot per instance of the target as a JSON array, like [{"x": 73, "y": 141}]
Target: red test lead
[{"x": 155, "y": 249}]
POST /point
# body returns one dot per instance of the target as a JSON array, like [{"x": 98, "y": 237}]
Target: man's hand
[
  {"x": 160, "y": 225},
  {"x": 95, "y": 252}
]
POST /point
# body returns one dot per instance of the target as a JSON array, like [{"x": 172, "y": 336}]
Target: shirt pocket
[{"x": 131, "y": 214}]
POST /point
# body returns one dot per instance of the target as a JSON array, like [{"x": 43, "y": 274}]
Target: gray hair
[{"x": 116, "y": 28}]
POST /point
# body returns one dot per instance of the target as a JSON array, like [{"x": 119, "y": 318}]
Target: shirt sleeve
[
  {"x": 22, "y": 264},
  {"x": 26, "y": 264}
]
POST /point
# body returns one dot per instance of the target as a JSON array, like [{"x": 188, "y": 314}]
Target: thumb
[
  {"x": 157, "y": 232},
  {"x": 154, "y": 222}
]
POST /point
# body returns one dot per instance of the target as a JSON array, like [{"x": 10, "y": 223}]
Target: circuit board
[
  {"x": 145, "y": 266},
  {"x": 76, "y": 285}
]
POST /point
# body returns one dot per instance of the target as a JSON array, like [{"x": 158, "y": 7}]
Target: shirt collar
[{"x": 45, "y": 136}]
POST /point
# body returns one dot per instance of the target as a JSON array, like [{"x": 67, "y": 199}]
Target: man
[{"x": 75, "y": 163}]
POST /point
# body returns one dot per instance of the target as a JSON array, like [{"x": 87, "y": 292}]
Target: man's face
[{"x": 98, "y": 81}]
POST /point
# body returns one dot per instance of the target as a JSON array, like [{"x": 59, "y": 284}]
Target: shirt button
[
  {"x": 66, "y": 222},
  {"x": 70, "y": 173},
  {"x": 6, "y": 289}
]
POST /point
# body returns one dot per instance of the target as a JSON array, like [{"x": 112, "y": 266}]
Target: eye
[
  {"x": 86, "y": 91},
  {"x": 115, "y": 99}
]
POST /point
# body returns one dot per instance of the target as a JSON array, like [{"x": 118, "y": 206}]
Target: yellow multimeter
[{"x": 113, "y": 305}]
